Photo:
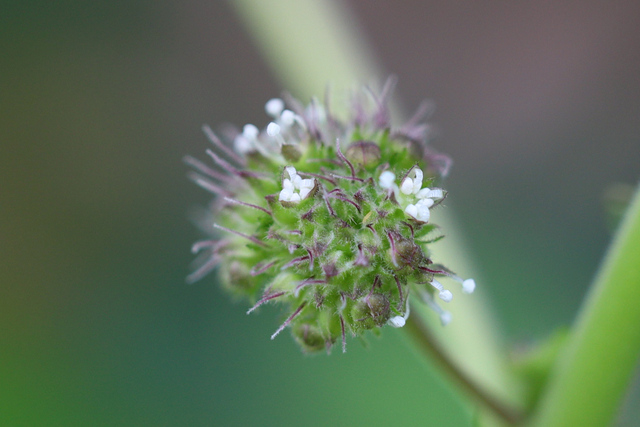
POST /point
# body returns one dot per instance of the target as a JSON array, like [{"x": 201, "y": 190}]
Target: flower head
[{"x": 329, "y": 217}]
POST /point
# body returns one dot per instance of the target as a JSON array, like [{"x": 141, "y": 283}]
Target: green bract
[{"x": 327, "y": 216}]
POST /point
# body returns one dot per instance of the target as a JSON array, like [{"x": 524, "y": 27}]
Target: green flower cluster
[{"x": 329, "y": 217}]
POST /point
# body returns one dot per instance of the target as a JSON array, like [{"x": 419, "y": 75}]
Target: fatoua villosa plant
[{"x": 329, "y": 216}]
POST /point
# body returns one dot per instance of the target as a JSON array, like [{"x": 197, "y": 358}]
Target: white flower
[
  {"x": 295, "y": 188},
  {"x": 420, "y": 210},
  {"x": 412, "y": 185},
  {"x": 420, "y": 199},
  {"x": 426, "y": 197}
]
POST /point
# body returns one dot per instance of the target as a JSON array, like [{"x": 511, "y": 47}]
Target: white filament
[
  {"x": 400, "y": 321},
  {"x": 444, "y": 294}
]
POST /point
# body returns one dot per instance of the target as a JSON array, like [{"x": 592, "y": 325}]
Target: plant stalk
[
  {"x": 593, "y": 373},
  {"x": 427, "y": 343}
]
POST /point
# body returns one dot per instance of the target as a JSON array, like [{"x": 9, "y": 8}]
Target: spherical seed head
[
  {"x": 370, "y": 312},
  {"x": 310, "y": 214},
  {"x": 309, "y": 337}
]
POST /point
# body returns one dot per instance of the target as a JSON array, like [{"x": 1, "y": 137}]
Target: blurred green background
[{"x": 537, "y": 102}]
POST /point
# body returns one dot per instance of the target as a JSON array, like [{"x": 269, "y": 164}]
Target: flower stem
[
  {"x": 594, "y": 371},
  {"x": 427, "y": 343},
  {"x": 309, "y": 44}
]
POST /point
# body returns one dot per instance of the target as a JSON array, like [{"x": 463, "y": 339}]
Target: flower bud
[
  {"x": 365, "y": 153},
  {"x": 326, "y": 217}
]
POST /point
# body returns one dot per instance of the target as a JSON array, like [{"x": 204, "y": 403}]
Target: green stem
[
  {"x": 426, "y": 342},
  {"x": 594, "y": 371},
  {"x": 309, "y": 44}
]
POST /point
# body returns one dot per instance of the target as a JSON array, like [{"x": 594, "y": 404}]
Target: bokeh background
[{"x": 537, "y": 102}]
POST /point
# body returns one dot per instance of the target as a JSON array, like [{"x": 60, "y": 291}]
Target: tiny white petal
[
  {"x": 273, "y": 129},
  {"x": 297, "y": 180},
  {"x": 288, "y": 185},
  {"x": 304, "y": 191},
  {"x": 407, "y": 186},
  {"x": 250, "y": 132},
  {"x": 468, "y": 286},
  {"x": 436, "y": 193},
  {"x": 425, "y": 202},
  {"x": 295, "y": 197},
  {"x": 387, "y": 178},
  {"x": 274, "y": 107},
  {"x": 307, "y": 183},
  {"x": 424, "y": 193},
  {"x": 412, "y": 210},
  {"x": 445, "y": 295},
  {"x": 397, "y": 321},
  {"x": 417, "y": 182},
  {"x": 285, "y": 195},
  {"x": 291, "y": 171},
  {"x": 423, "y": 213}
]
